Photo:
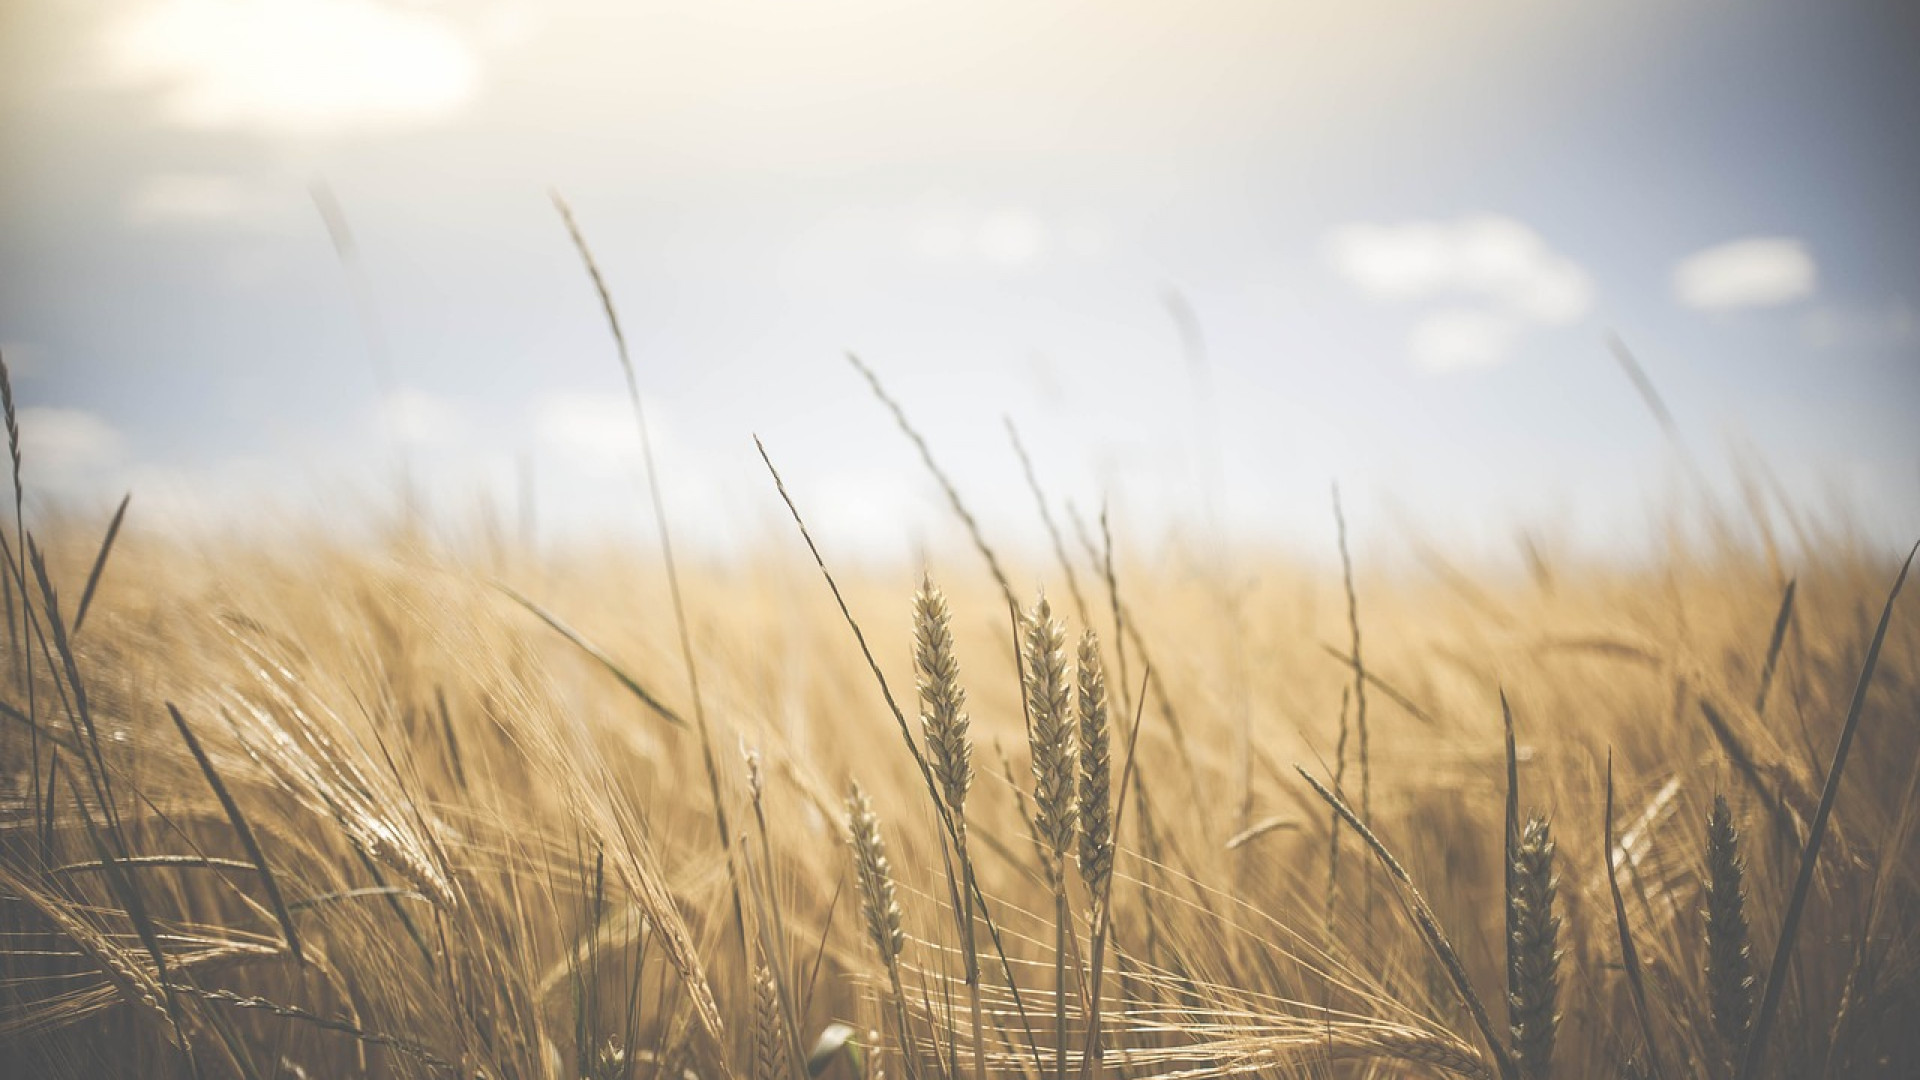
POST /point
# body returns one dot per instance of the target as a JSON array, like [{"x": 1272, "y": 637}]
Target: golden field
[{"x": 418, "y": 831}]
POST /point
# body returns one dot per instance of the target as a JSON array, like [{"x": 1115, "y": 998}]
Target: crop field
[{"x": 317, "y": 808}]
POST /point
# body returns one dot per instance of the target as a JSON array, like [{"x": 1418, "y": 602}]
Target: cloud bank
[
  {"x": 1762, "y": 271},
  {"x": 1506, "y": 271},
  {"x": 291, "y": 66}
]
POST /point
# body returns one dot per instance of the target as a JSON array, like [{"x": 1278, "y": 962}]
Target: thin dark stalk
[
  {"x": 243, "y": 831},
  {"x": 1429, "y": 927},
  {"x": 1359, "y": 683},
  {"x": 681, "y": 626},
  {"x": 1629, "y": 956},
  {"x": 100, "y": 563},
  {"x": 1809, "y": 858},
  {"x": 1779, "y": 638},
  {"x": 23, "y": 649},
  {"x": 1512, "y": 834},
  {"x": 379, "y": 355},
  {"x": 63, "y": 647},
  {"x": 1094, "y": 1056},
  {"x": 1046, "y": 518},
  {"x": 599, "y": 655},
  {"x": 127, "y": 892},
  {"x": 946, "y": 485},
  {"x": 1650, "y": 397},
  {"x": 1113, "y": 602},
  {"x": 1749, "y": 771},
  {"x": 900, "y": 721},
  {"x": 1393, "y": 693},
  {"x": 1333, "y": 827}
]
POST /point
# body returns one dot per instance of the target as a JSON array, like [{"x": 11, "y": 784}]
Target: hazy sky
[{"x": 1402, "y": 232}]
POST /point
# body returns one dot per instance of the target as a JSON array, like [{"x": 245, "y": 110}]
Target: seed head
[
  {"x": 943, "y": 714},
  {"x": 1096, "y": 767},
  {"x": 1044, "y": 650},
  {"x": 1533, "y": 958},
  {"x": 1730, "y": 981},
  {"x": 877, "y": 901}
]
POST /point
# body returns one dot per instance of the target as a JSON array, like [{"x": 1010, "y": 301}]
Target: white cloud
[
  {"x": 292, "y": 65},
  {"x": 1489, "y": 257},
  {"x": 587, "y": 429},
  {"x": 417, "y": 418},
  {"x": 1455, "y": 339},
  {"x": 202, "y": 199},
  {"x": 60, "y": 444},
  {"x": 1757, "y": 272}
]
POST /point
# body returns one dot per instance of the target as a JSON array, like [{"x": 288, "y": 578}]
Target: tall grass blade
[
  {"x": 100, "y": 563},
  {"x": 1809, "y": 857},
  {"x": 243, "y": 831},
  {"x": 1429, "y": 927},
  {"x": 1629, "y": 956}
]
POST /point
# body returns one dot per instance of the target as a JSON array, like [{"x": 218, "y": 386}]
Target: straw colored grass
[{"x": 407, "y": 823}]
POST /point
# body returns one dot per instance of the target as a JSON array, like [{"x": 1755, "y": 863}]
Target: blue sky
[{"x": 1403, "y": 231}]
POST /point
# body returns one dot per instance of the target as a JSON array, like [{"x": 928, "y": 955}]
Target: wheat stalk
[
  {"x": 1052, "y": 737},
  {"x": 1055, "y": 812},
  {"x": 943, "y": 720},
  {"x": 1096, "y": 824},
  {"x": 879, "y": 906}
]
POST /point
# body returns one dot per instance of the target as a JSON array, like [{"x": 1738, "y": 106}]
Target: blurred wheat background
[
  {"x": 330, "y": 809},
  {"x": 1358, "y": 541}
]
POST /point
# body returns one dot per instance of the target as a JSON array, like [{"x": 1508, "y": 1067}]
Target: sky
[{"x": 1206, "y": 259}]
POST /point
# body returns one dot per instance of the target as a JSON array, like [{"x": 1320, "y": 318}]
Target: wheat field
[{"x": 319, "y": 808}]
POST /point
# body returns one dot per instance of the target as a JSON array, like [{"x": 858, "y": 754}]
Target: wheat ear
[
  {"x": 943, "y": 719},
  {"x": 1096, "y": 770},
  {"x": 1730, "y": 981},
  {"x": 943, "y": 703},
  {"x": 1052, "y": 736},
  {"x": 1533, "y": 953},
  {"x": 879, "y": 905},
  {"x": 1055, "y": 813},
  {"x": 769, "y": 1034},
  {"x": 1096, "y": 823}
]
